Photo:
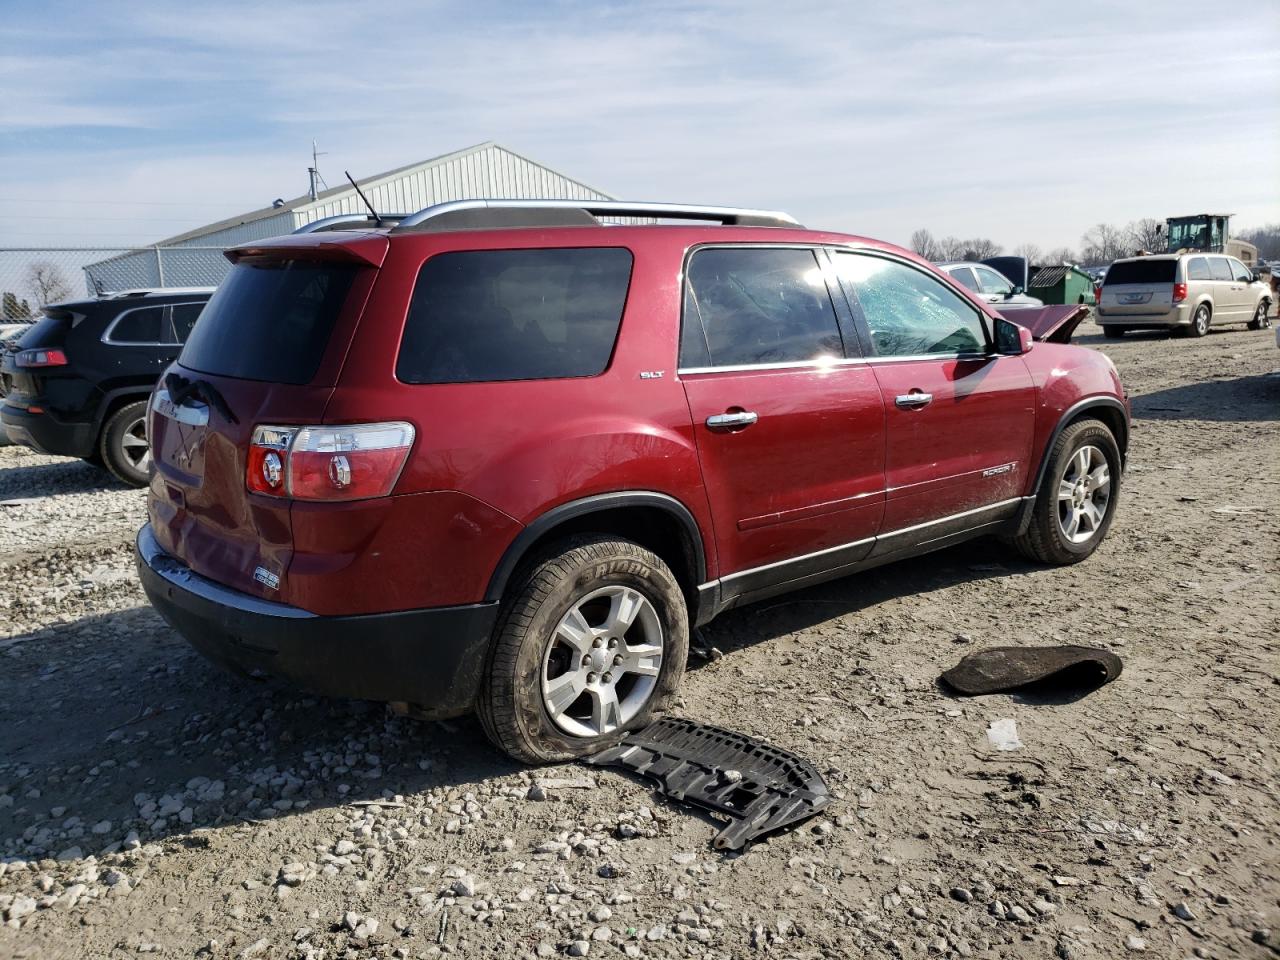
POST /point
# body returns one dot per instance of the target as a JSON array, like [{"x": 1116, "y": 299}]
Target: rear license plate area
[{"x": 178, "y": 435}]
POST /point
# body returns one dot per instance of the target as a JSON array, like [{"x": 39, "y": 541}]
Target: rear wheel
[
  {"x": 1199, "y": 321},
  {"x": 123, "y": 446},
  {"x": 1077, "y": 500},
  {"x": 592, "y": 645},
  {"x": 1260, "y": 319},
  {"x": 1112, "y": 332}
]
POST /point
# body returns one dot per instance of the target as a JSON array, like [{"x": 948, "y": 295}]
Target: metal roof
[{"x": 303, "y": 203}]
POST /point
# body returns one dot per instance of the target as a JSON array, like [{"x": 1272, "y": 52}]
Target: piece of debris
[
  {"x": 761, "y": 787},
  {"x": 1003, "y": 734},
  {"x": 999, "y": 669}
]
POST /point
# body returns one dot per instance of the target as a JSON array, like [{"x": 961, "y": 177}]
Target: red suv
[{"x": 503, "y": 456}]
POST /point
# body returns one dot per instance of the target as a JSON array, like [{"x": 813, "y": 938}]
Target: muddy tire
[
  {"x": 1261, "y": 320},
  {"x": 1077, "y": 499},
  {"x": 592, "y": 643},
  {"x": 1200, "y": 321},
  {"x": 123, "y": 445}
]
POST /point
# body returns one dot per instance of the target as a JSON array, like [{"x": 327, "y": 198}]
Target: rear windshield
[
  {"x": 485, "y": 315},
  {"x": 47, "y": 331},
  {"x": 1141, "y": 271},
  {"x": 269, "y": 320}
]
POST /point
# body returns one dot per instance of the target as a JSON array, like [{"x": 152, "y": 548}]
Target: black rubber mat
[
  {"x": 761, "y": 787},
  {"x": 1001, "y": 669}
]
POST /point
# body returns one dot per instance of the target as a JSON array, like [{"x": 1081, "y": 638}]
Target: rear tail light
[
  {"x": 1179, "y": 292},
  {"x": 354, "y": 461},
  {"x": 1097, "y": 293},
  {"x": 40, "y": 358}
]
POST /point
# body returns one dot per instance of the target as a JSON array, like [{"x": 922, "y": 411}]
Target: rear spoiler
[
  {"x": 369, "y": 249},
  {"x": 1051, "y": 324}
]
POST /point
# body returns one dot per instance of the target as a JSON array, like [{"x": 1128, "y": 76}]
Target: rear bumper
[
  {"x": 45, "y": 433},
  {"x": 434, "y": 658},
  {"x": 1179, "y": 316}
]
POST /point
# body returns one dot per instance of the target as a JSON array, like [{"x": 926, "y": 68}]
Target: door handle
[
  {"x": 913, "y": 401},
  {"x": 730, "y": 421}
]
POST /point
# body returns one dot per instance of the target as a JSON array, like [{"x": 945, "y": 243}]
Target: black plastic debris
[
  {"x": 762, "y": 788},
  {"x": 1000, "y": 669}
]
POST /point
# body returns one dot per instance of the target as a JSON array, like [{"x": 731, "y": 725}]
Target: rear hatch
[
  {"x": 49, "y": 332},
  {"x": 1139, "y": 287},
  {"x": 267, "y": 349}
]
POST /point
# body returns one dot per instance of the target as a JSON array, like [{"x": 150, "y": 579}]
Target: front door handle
[
  {"x": 914, "y": 400},
  {"x": 732, "y": 421}
]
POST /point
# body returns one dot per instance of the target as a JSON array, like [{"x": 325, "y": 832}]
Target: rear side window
[
  {"x": 142, "y": 325},
  {"x": 270, "y": 320},
  {"x": 745, "y": 307},
  {"x": 1141, "y": 271},
  {"x": 1219, "y": 269},
  {"x": 1198, "y": 269},
  {"x": 182, "y": 319},
  {"x": 966, "y": 278},
  {"x": 485, "y": 315}
]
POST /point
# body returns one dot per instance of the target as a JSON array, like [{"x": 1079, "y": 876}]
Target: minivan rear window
[
  {"x": 485, "y": 315},
  {"x": 269, "y": 320},
  {"x": 1141, "y": 271}
]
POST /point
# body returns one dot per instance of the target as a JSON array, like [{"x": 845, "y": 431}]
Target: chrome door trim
[{"x": 191, "y": 416}]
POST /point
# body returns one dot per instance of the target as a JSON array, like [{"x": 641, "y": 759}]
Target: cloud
[{"x": 1020, "y": 121}]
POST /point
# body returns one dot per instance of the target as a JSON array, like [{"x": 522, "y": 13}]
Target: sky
[{"x": 125, "y": 122}]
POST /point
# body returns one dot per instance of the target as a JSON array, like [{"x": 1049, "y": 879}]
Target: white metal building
[{"x": 485, "y": 170}]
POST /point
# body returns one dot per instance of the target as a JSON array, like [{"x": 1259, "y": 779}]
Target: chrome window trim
[
  {"x": 106, "y": 334},
  {"x": 834, "y": 362}
]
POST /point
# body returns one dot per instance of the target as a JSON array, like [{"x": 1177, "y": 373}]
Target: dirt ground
[{"x": 151, "y": 804}]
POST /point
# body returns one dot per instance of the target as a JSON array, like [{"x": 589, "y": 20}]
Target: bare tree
[
  {"x": 1265, "y": 238},
  {"x": 1059, "y": 255},
  {"x": 1103, "y": 243},
  {"x": 1146, "y": 234},
  {"x": 47, "y": 281},
  {"x": 1029, "y": 251},
  {"x": 922, "y": 242},
  {"x": 951, "y": 248},
  {"x": 980, "y": 248}
]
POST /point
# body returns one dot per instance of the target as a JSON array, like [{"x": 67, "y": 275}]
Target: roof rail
[
  {"x": 524, "y": 213},
  {"x": 348, "y": 221}
]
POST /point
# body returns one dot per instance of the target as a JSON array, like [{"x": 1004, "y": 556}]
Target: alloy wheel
[
  {"x": 601, "y": 664},
  {"x": 134, "y": 445},
  {"x": 1084, "y": 492}
]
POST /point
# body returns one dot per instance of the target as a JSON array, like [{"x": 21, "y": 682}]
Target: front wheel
[
  {"x": 1077, "y": 499},
  {"x": 591, "y": 646},
  {"x": 1260, "y": 319},
  {"x": 123, "y": 446}
]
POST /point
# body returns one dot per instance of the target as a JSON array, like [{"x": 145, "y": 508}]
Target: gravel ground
[{"x": 151, "y": 804}]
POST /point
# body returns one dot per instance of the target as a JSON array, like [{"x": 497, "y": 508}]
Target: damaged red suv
[{"x": 501, "y": 456}]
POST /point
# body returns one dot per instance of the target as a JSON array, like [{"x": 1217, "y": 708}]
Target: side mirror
[{"x": 1012, "y": 339}]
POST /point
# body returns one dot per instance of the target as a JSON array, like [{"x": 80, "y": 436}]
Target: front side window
[
  {"x": 1198, "y": 269},
  {"x": 143, "y": 325},
  {"x": 1240, "y": 272},
  {"x": 487, "y": 315},
  {"x": 993, "y": 282},
  {"x": 909, "y": 313},
  {"x": 1218, "y": 268},
  {"x": 748, "y": 306}
]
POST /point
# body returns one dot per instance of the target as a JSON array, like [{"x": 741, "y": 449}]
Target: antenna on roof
[
  {"x": 313, "y": 171},
  {"x": 377, "y": 220}
]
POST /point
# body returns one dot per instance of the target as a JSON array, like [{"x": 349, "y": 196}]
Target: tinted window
[
  {"x": 514, "y": 315},
  {"x": 757, "y": 306},
  {"x": 1141, "y": 271},
  {"x": 1197, "y": 268},
  {"x": 269, "y": 320},
  {"x": 143, "y": 325},
  {"x": 182, "y": 319},
  {"x": 966, "y": 278},
  {"x": 1218, "y": 268},
  {"x": 909, "y": 313},
  {"x": 1240, "y": 272},
  {"x": 993, "y": 282}
]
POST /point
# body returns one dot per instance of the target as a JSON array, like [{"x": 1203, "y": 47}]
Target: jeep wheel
[
  {"x": 1199, "y": 321},
  {"x": 591, "y": 645},
  {"x": 123, "y": 446},
  {"x": 1260, "y": 319},
  {"x": 1077, "y": 500}
]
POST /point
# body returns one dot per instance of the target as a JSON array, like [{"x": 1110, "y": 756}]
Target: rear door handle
[
  {"x": 912, "y": 401},
  {"x": 731, "y": 421}
]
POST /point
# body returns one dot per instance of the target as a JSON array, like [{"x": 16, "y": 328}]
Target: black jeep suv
[{"x": 76, "y": 383}]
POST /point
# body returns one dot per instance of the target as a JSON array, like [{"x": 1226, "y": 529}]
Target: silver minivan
[{"x": 1184, "y": 292}]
